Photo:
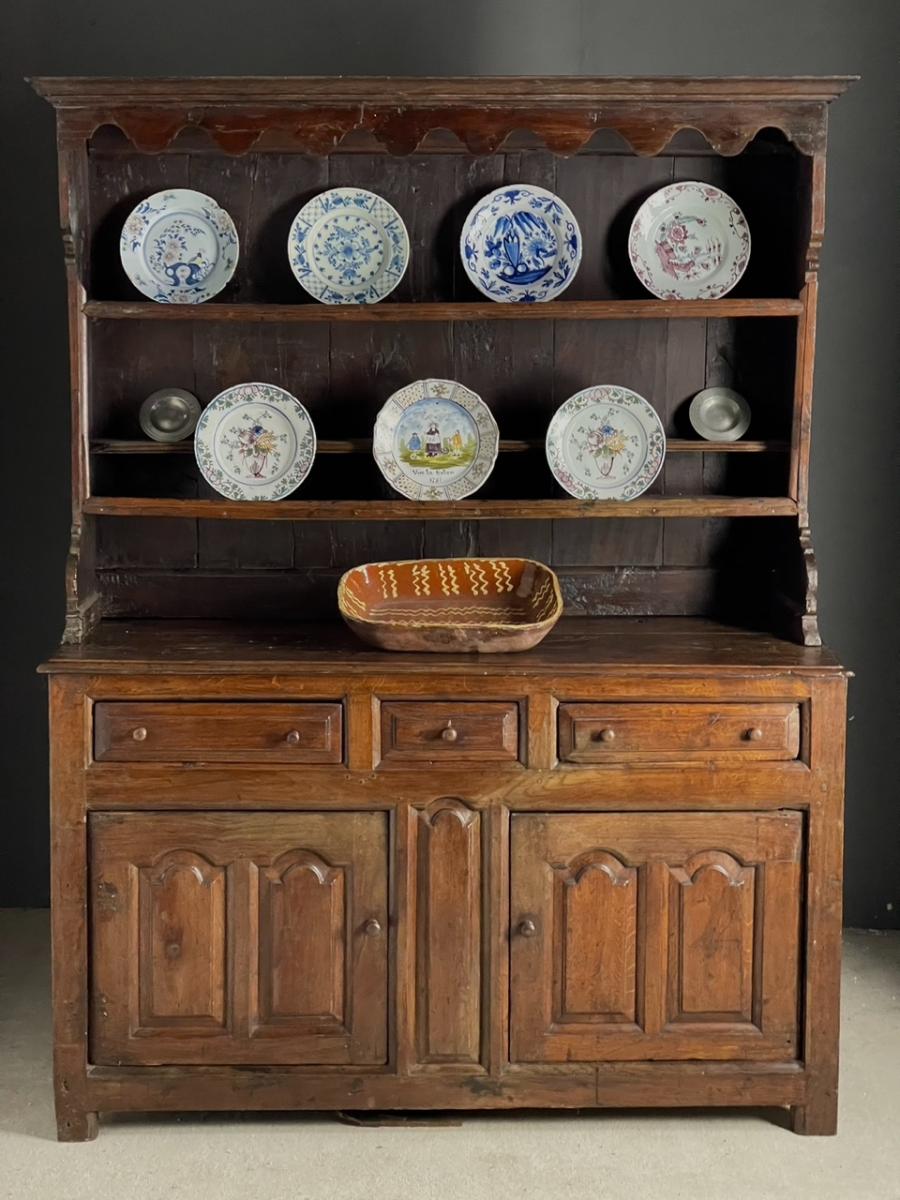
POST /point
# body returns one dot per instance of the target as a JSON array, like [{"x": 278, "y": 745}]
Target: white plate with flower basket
[
  {"x": 179, "y": 247},
  {"x": 348, "y": 246},
  {"x": 521, "y": 244},
  {"x": 689, "y": 241},
  {"x": 435, "y": 440},
  {"x": 605, "y": 443},
  {"x": 255, "y": 441}
]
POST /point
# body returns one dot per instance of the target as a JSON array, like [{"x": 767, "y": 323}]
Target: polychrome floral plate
[
  {"x": 720, "y": 414},
  {"x": 348, "y": 246},
  {"x": 521, "y": 243},
  {"x": 179, "y": 247},
  {"x": 605, "y": 443},
  {"x": 435, "y": 440},
  {"x": 689, "y": 241},
  {"x": 255, "y": 441}
]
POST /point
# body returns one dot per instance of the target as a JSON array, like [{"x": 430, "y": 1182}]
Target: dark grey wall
[{"x": 854, "y": 508}]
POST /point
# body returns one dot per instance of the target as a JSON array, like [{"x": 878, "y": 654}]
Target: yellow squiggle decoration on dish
[{"x": 502, "y": 576}]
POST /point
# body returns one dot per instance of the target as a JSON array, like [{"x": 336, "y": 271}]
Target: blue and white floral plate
[
  {"x": 179, "y": 247},
  {"x": 435, "y": 440},
  {"x": 605, "y": 443},
  {"x": 348, "y": 246},
  {"x": 255, "y": 441},
  {"x": 521, "y": 243}
]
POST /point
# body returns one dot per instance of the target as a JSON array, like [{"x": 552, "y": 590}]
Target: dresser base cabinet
[{"x": 374, "y": 929}]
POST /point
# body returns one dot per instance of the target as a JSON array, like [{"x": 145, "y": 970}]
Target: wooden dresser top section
[
  {"x": 244, "y": 113},
  {"x": 577, "y": 645}
]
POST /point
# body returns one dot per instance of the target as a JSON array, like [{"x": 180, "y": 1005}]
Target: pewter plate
[
  {"x": 169, "y": 415},
  {"x": 720, "y": 414}
]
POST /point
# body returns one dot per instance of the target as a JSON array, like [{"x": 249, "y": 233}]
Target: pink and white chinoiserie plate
[{"x": 689, "y": 241}]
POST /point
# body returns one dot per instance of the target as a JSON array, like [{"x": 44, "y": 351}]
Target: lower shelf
[{"x": 459, "y": 510}]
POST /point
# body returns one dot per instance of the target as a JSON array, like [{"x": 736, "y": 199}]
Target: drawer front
[
  {"x": 185, "y": 731},
  {"x": 414, "y": 731},
  {"x": 596, "y": 733}
]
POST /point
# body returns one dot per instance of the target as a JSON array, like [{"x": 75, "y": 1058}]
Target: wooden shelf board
[
  {"x": 507, "y": 446},
  {"x": 556, "y": 310},
  {"x": 458, "y": 510}
]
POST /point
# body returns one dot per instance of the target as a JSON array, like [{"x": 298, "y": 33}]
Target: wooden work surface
[{"x": 592, "y": 643}]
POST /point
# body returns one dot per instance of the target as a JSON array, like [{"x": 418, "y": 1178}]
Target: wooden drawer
[
  {"x": 173, "y": 732},
  {"x": 594, "y": 733},
  {"x": 417, "y": 731}
]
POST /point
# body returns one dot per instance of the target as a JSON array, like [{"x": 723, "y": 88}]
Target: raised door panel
[
  {"x": 654, "y": 936},
  {"x": 448, "y": 916},
  {"x": 234, "y": 938}
]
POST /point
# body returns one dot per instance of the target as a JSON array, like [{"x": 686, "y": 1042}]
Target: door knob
[
  {"x": 449, "y": 734},
  {"x": 139, "y": 734},
  {"x": 372, "y": 927},
  {"x": 526, "y": 928}
]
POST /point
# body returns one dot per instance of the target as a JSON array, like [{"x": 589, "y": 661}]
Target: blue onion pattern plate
[
  {"x": 435, "y": 440},
  {"x": 255, "y": 441},
  {"x": 348, "y": 246},
  {"x": 179, "y": 247},
  {"x": 520, "y": 243},
  {"x": 605, "y": 443}
]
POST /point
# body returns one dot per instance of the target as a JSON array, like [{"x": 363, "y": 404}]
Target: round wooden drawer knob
[
  {"x": 139, "y": 734},
  {"x": 527, "y": 928},
  {"x": 293, "y": 738},
  {"x": 605, "y": 735},
  {"x": 754, "y": 734},
  {"x": 449, "y": 734},
  {"x": 372, "y": 928}
]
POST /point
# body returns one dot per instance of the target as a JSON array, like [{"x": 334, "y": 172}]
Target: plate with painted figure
[
  {"x": 179, "y": 247},
  {"x": 521, "y": 244},
  {"x": 255, "y": 441},
  {"x": 689, "y": 241},
  {"x": 348, "y": 246},
  {"x": 435, "y": 440},
  {"x": 605, "y": 443}
]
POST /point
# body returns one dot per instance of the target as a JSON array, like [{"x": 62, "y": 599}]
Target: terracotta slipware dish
[{"x": 484, "y": 605}]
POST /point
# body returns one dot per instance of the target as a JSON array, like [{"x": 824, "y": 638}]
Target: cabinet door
[
  {"x": 654, "y": 936},
  {"x": 230, "y": 938}
]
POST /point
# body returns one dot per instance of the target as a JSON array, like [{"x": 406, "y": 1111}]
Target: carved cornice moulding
[{"x": 317, "y": 114}]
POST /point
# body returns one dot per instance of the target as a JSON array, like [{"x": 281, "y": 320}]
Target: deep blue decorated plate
[
  {"x": 179, "y": 247},
  {"x": 520, "y": 243},
  {"x": 348, "y": 246}
]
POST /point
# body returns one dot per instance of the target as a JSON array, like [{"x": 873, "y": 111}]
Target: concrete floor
[{"x": 723, "y": 1155}]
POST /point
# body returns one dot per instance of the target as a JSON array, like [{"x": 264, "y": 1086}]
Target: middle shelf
[{"x": 457, "y": 510}]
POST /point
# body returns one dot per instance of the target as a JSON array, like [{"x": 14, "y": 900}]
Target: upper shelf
[{"x": 555, "y": 310}]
